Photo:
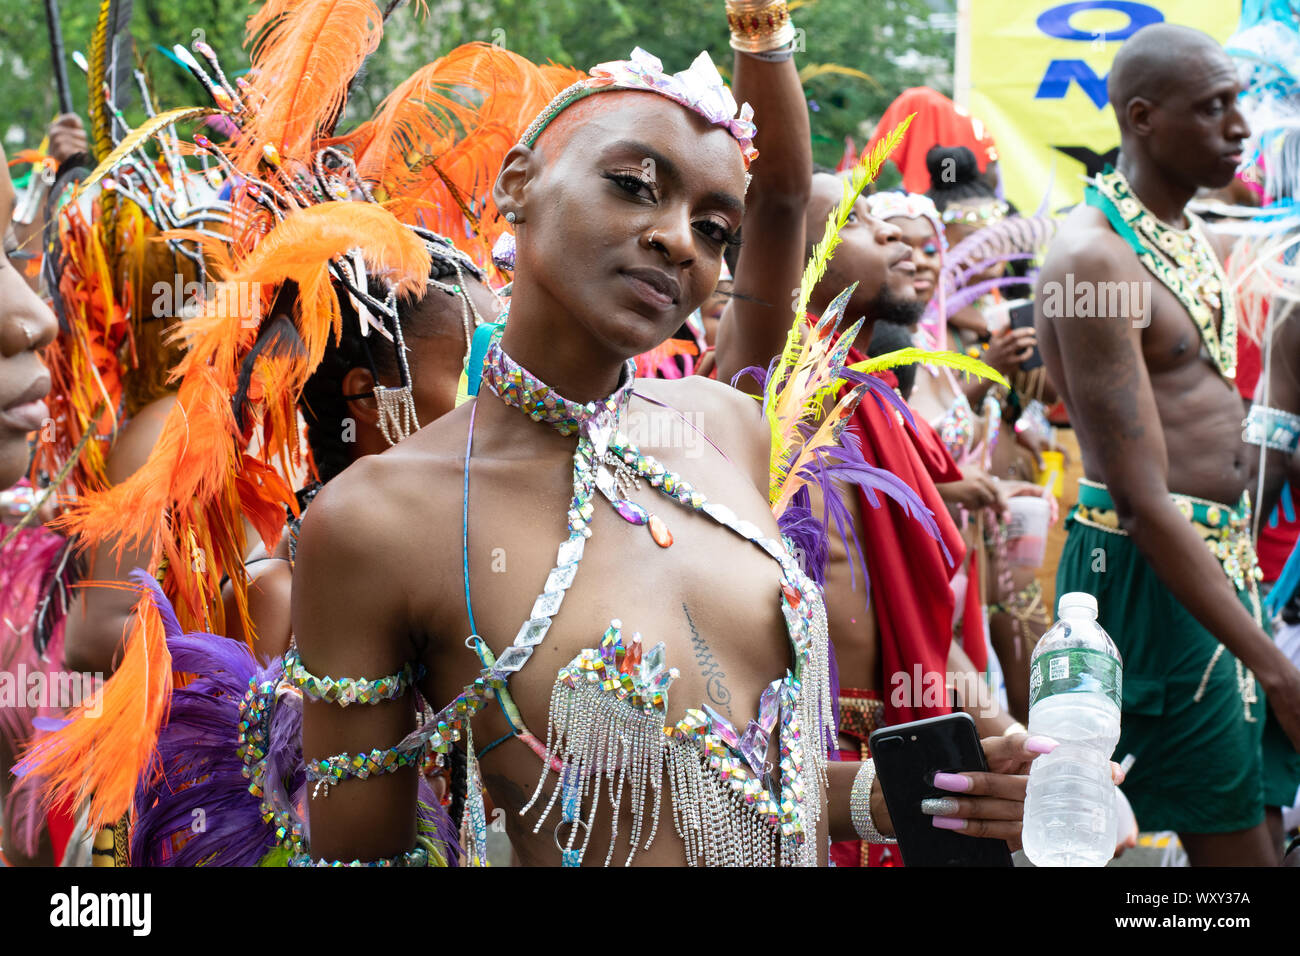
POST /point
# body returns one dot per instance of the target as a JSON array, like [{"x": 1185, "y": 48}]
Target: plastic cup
[
  {"x": 1027, "y": 531},
  {"x": 1053, "y": 473}
]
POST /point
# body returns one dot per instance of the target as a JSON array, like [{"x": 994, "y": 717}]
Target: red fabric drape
[{"x": 910, "y": 576}]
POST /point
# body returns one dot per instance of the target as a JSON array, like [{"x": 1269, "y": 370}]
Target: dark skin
[
  {"x": 26, "y": 326},
  {"x": 1152, "y": 415},
  {"x": 873, "y": 253},
  {"x": 587, "y": 227},
  {"x": 768, "y": 267}
]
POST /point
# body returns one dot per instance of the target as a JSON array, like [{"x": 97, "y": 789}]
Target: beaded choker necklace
[
  {"x": 1182, "y": 260},
  {"x": 598, "y": 423}
]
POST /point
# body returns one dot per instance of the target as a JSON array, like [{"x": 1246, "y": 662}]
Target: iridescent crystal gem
[
  {"x": 570, "y": 551},
  {"x": 719, "y": 513},
  {"x": 605, "y": 482},
  {"x": 512, "y": 659},
  {"x": 631, "y": 663},
  {"x": 722, "y": 727},
  {"x": 753, "y": 747},
  {"x": 768, "y": 708},
  {"x": 632, "y": 512},
  {"x": 659, "y": 531},
  {"x": 652, "y": 665},
  {"x": 560, "y": 578}
]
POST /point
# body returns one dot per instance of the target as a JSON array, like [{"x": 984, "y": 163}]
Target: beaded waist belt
[
  {"x": 1225, "y": 529},
  {"x": 861, "y": 713},
  {"x": 1226, "y": 532}
]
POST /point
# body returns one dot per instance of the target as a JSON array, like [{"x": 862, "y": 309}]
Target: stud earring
[{"x": 511, "y": 217}]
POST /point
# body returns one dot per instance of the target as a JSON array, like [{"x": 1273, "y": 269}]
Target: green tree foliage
[{"x": 889, "y": 40}]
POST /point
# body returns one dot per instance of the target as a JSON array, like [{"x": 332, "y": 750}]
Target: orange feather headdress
[{"x": 308, "y": 218}]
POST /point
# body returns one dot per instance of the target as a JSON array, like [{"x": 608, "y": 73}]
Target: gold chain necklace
[{"x": 1182, "y": 259}]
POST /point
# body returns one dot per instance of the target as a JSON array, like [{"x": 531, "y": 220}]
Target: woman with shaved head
[{"x": 623, "y": 195}]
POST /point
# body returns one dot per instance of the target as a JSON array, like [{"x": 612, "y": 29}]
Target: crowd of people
[{"x": 254, "y": 514}]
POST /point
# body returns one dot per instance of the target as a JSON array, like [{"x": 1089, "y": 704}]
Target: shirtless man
[
  {"x": 608, "y": 265},
  {"x": 1152, "y": 400}
]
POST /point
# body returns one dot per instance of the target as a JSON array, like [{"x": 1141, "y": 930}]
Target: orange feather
[
  {"x": 109, "y": 744},
  {"x": 304, "y": 56}
]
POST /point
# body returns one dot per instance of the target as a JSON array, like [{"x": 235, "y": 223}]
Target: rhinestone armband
[
  {"x": 418, "y": 856},
  {"x": 326, "y": 773},
  {"x": 348, "y": 690},
  {"x": 860, "y": 805},
  {"x": 1272, "y": 428}
]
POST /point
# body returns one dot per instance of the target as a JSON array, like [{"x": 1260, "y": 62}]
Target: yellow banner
[{"x": 1038, "y": 82}]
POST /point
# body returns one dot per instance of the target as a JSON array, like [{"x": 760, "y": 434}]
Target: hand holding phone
[{"x": 908, "y": 756}]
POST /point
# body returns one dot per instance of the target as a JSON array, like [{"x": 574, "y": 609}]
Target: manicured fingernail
[
  {"x": 1039, "y": 744},
  {"x": 939, "y": 806},
  {"x": 956, "y": 782},
  {"x": 948, "y": 823}
]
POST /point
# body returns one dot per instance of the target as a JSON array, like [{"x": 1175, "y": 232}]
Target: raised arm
[
  {"x": 347, "y": 624},
  {"x": 1114, "y": 410},
  {"x": 755, "y": 322}
]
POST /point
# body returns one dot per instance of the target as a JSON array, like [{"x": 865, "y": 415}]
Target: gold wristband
[{"x": 759, "y": 27}]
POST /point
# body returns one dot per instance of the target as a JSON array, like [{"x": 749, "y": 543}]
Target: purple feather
[
  {"x": 756, "y": 373},
  {"x": 201, "y": 800},
  {"x": 880, "y": 389},
  {"x": 959, "y": 300},
  {"x": 984, "y": 265},
  {"x": 807, "y": 534}
]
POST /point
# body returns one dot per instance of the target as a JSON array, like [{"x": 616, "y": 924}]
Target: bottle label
[{"x": 1075, "y": 670}]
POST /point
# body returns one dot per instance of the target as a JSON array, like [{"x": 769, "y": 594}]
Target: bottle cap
[{"x": 1078, "y": 599}]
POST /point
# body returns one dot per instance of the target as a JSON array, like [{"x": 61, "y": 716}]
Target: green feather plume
[{"x": 911, "y": 356}]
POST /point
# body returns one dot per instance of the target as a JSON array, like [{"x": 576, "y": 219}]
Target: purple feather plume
[
  {"x": 808, "y": 535},
  {"x": 882, "y": 392}
]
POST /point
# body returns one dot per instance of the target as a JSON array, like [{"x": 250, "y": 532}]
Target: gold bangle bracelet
[{"x": 759, "y": 29}]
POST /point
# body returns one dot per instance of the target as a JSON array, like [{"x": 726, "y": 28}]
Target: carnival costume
[
  {"x": 721, "y": 806},
  {"x": 302, "y": 215},
  {"x": 1184, "y": 693},
  {"x": 102, "y": 264}
]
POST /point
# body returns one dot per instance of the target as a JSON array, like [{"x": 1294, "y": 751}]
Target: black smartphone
[
  {"x": 1022, "y": 317},
  {"x": 907, "y": 758}
]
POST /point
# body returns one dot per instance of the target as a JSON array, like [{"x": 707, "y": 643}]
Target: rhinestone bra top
[{"x": 608, "y": 730}]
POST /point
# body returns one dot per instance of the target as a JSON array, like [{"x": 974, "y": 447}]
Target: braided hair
[{"x": 323, "y": 404}]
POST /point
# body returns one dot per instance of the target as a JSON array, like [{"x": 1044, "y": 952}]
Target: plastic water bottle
[{"x": 1074, "y": 697}]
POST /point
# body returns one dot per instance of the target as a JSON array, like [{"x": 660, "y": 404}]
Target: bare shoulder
[
  {"x": 368, "y": 548},
  {"x": 1088, "y": 247},
  {"x": 731, "y": 419},
  {"x": 137, "y": 438}
]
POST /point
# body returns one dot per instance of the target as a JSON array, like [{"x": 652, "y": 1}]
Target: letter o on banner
[{"x": 1056, "y": 21}]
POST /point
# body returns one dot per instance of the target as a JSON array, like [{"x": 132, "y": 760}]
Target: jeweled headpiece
[
  {"x": 700, "y": 89},
  {"x": 975, "y": 212},
  {"x": 901, "y": 205}
]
